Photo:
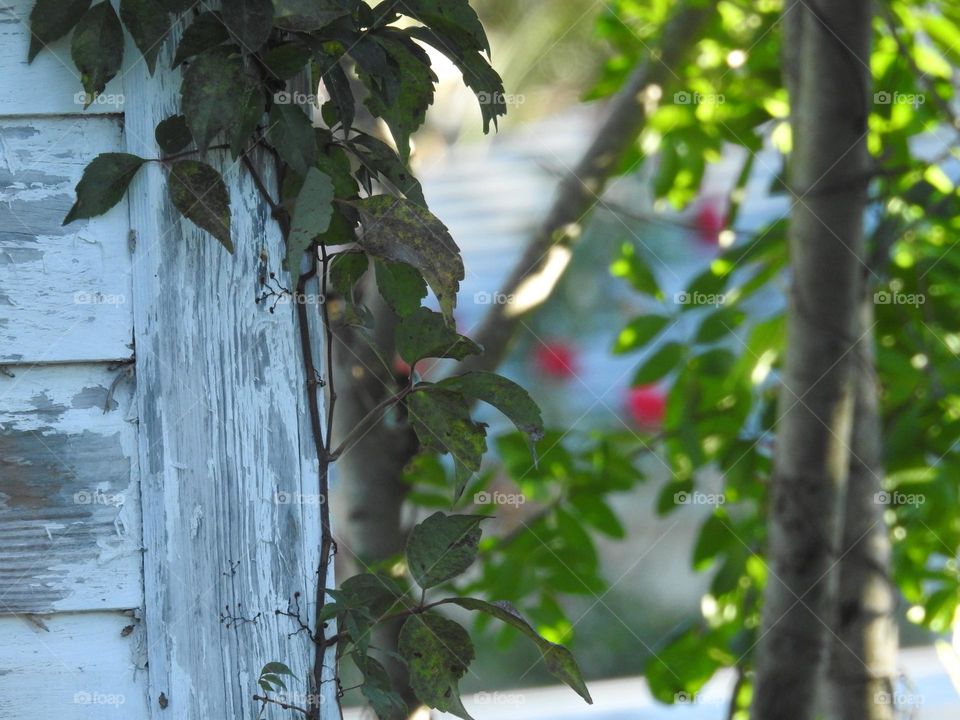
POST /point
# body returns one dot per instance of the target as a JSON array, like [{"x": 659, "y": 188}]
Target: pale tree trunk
[
  {"x": 828, "y": 57},
  {"x": 862, "y": 663}
]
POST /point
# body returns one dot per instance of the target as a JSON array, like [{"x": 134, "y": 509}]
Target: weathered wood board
[
  {"x": 69, "y": 496},
  {"x": 73, "y": 667},
  {"x": 49, "y": 85},
  {"x": 64, "y": 291}
]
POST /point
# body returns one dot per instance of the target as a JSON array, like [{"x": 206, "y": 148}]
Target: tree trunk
[
  {"x": 862, "y": 663},
  {"x": 829, "y": 49}
]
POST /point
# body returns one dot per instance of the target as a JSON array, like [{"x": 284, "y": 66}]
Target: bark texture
[
  {"x": 862, "y": 663},
  {"x": 828, "y": 46}
]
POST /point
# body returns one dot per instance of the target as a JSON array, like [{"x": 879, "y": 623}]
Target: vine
[{"x": 345, "y": 200}]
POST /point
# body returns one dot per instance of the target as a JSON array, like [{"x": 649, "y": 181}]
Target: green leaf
[
  {"x": 207, "y": 31},
  {"x": 659, "y": 364},
  {"x": 97, "y": 48},
  {"x": 214, "y": 94},
  {"x": 719, "y": 324},
  {"x": 307, "y": 15},
  {"x": 148, "y": 22},
  {"x": 505, "y": 395},
  {"x": 425, "y": 334},
  {"x": 276, "y": 668},
  {"x": 454, "y": 18},
  {"x": 635, "y": 270},
  {"x": 400, "y": 230},
  {"x": 291, "y": 133},
  {"x": 346, "y": 271},
  {"x": 438, "y": 652},
  {"x": 560, "y": 661},
  {"x": 338, "y": 86},
  {"x": 442, "y": 422},
  {"x": 376, "y": 156},
  {"x": 442, "y": 547},
  {"x": 50, "y": 20},
  {"x": 253, "y": 106},
  {"x": 287, "y": 60},
  {"x": 401, "y": 286},
  {"x": 639, "y": 332},
  {"x": 311, "y": 217},
  {"x": 173, "y": 135},
  {"x": 199, "y": 193},
  {"x": 178, "y": 6},
  {"x": 250, "y": 21},
  {"x": 375, "y": 593},
  {"x": 477, "y": 74},
  {"x": 104, "y": 182},
  {"x": 405, "y": 114},
  {"x": 378, "y": 689}
]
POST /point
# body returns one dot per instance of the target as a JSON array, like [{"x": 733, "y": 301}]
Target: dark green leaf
[
  {"x": 438, "y": 652},
  {"x": 375, "y": 593},
  {"x": 307, "y": 15},
  {"x": 311, "y": 217},
  {"x": 442, "y": 547},
  {"x": 505, "y": 395},
  {"x": 377, "y": 688},
  {"x": 97, "y": 48},
  {"x": 291, "y": 133},
  {"x": 50, "y": 20},
  {"x": 178, "y": 6},
  {"x": 659, "y": 364},
  {"x": 477, "y": 74},
  {"x": 214, "y": 94},
  {"x": 718, "y": 324},
  {"x": 338, "y": 87},
  {"x": 205, "y": 32},
  {"x": 173, "y": 135},
  {"x": 250, "y": 21},
  {"x": 407, "y": 112},
  {"x": 287, "y": 60},
  {"x": 635, "y": 270},
  {"x": 252, "y": 108},
  {"x": 425, "y": 334},
  {"x": 454, "y": 18},
  {"x": 559, "y": 660},
  {"x": 276, "y": 668},
  {"x": 199, "y": 193},
  {"x": 401, "y": 286},
  {"x": 104, "y": 182},
  {"x": 380, "y": 158},
  {"x": 400, "y": 230},
  {"x": 346, "y": 271},
  {"x": 442, "y": 422},
  {"x": 148, "y": 22}
]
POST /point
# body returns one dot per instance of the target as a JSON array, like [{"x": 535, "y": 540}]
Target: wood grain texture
[
  {"x": 64, "y": 291},
  {"x": 86, "y": 666},
  {"x": 69, "y": 496},
  {"x": 49, "y": 85},
  {"x": 223, "y": 430}
]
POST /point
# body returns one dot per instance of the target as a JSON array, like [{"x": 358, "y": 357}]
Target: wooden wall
[{"x": 138, "y": 489}]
